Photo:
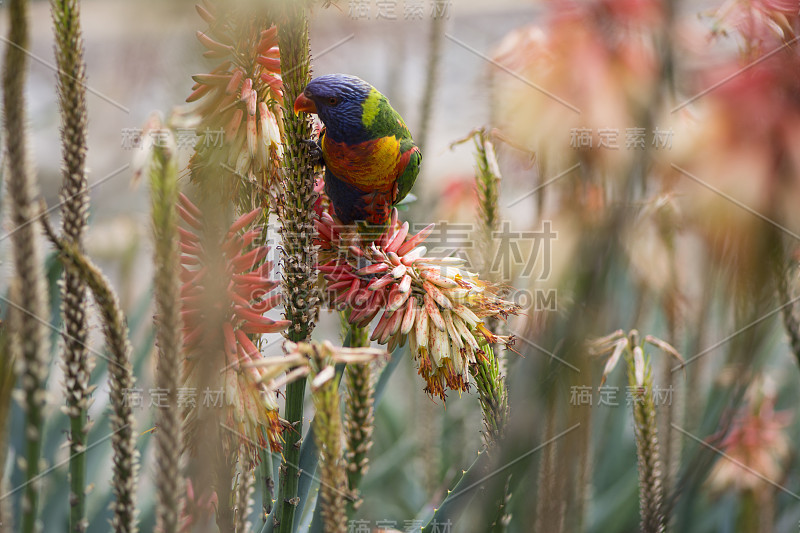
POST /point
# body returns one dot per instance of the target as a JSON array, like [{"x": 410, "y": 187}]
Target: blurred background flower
[
  {"x": 252, "y": 406},
  {"x": 756, "y": 448}
]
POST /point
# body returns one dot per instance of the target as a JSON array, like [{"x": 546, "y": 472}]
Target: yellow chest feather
[{"x": 370, "y": 166}]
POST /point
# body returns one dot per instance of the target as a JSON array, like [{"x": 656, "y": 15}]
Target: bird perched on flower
[{"x": 371, "y": 161}]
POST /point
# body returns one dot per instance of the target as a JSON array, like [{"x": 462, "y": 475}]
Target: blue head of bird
[{"x": 337, "y": 99}]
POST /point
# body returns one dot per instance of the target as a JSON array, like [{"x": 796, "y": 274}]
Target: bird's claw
[{"x": 314, "y": 150}]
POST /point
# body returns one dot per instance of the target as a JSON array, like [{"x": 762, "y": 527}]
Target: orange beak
[{"x": 304, "y": 104}]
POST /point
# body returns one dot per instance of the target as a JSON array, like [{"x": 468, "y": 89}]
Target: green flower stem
[
  {"x": 267, "y": 477},
  {"x": 289, "y": 474},
  {"x": 493, "y": 396},
  {"x": 309, "y": 451},
  {"x": 489, "y": 373},
  {"x": 487, "y": 184},
  {"x": 468, "y": 486},
  {"x": 301, "y": 301}
]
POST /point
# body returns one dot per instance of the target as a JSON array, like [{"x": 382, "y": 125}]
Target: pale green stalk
[
  {"x": 169, "y": 479},
  {"x": 29, "y": 315},
  {"x": 493, "y": 396},
  {"x": 6, "y": 387},
  {"x": 435, "y": 39},
  {"x": 489, "y": 373}
]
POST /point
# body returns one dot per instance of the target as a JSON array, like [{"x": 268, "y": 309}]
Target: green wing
[
  {"x": 381, "y": 120},
  {"x": 406, "y": 180}
]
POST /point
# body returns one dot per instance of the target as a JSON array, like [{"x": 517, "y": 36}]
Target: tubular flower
[
  {"x": 758, "y": 445},
  {"x": 597, "y": 56},
  {"x": 241, "y": 100},
  {"x": 303, "y": 358},
  {"x": 761, "y": 24},
  {"x": 299, "y": 355},
  {"x": 252, "y": 404},
  {"x": 433, "y": 303}
]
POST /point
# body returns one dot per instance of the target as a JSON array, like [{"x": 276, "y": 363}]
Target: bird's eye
[{"x": 333, "y": 100}]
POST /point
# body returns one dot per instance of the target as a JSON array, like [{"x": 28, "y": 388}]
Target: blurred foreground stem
[
  {"x": 28, "y": 318},
  {"x": 6, "y": 388},
  {"x": 431, "y": 77},
  {"x": 169, "y": 437}
]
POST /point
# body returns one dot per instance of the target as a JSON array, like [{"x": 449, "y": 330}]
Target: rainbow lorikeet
[{"x": 371, "y": 162}]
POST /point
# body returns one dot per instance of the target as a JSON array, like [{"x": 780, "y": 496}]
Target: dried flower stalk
[
  {"x": 435, "y": 40},
  {"x": 640, "y": 381},
  {"x": 359, "y": 415},
  {"x": 74, "y": 197},
  {"x": 121, "y": 380},
  {"x": 549, "y": 511},
  {"x": 245, "y": 486},
  {"x": 651, "y": 472},
  {"x": 328, "y": 430},
  {"x": 28, "y": 342}
]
